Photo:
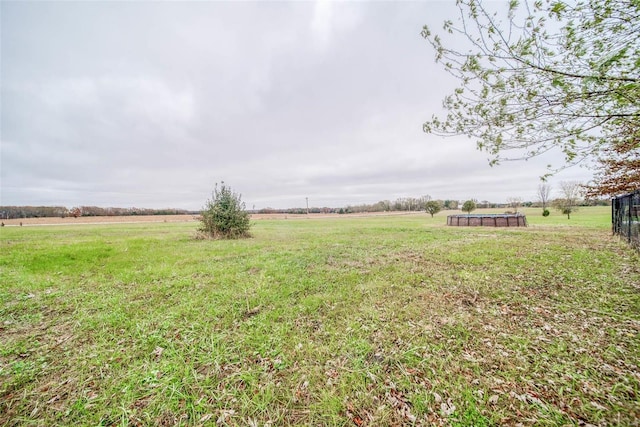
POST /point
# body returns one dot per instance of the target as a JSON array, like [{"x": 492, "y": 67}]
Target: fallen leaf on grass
[
  {"x": 302, "y": 391},
  {"x": 252, "y": 312},
  {"x": 528, "y": 398},
  {"x": 447, "y": 408},
  {"x": 206, "y": 418},
  {"x": 399, "y": 403},
  {"x": 157, "y": 352},
  {"x": 357, "y": 416},
  {"x": 225, "y": 416},
  {"x": 332, "y": 373}
]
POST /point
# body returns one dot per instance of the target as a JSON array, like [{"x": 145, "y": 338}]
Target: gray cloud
[{"x": 150, "y": 103}]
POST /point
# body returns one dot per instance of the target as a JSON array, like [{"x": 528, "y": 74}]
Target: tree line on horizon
[
  {"x": 402, "y": 204},
  {"x": 14, "y": 212},
  {"x": 418, "y": 204}
]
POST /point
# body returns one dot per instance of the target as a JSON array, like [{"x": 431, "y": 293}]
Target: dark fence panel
[{"x": 624, "y": 215}]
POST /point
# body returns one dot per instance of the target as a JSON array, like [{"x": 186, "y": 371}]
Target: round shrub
[{"x": 224, "y": 215}]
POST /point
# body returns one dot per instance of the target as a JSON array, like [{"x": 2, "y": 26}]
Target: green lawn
[{"x": 376, "y": 321}]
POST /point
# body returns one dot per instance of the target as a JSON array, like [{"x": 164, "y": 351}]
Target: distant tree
[
  {"x": 544, "y": 192},
  {"x": 596, "y": 202},
  {"x": 571, "y": 192},
  {"x": 75, "y": 212},
  {"x": 378, "y": 207},
  {"x": 224, "y": 215},
  {"x": 514, "y": 203},
  {"x": 92, "y": 211},
  {"x": 433, "y": 207},
  {"x": 451, "y": 204},
  {"x": 415, "y": 204},
  {"x": 468, "y": 206}
]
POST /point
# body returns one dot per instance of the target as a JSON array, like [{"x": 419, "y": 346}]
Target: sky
[{"x": 149, "y": 104}]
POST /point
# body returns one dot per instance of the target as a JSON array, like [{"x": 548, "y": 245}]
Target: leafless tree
[
  {"x": 544, "y": 192},
  {"x": 514, "y": 202},
  {"x": 571, "y": 192}
]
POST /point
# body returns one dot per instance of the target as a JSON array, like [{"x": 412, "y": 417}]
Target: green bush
[
  {"x": 469, "y": 206},
  {"x": 433, "y": 207},
  {"x": 545, "y": 212},
  {"x": 224, "y": 215}
]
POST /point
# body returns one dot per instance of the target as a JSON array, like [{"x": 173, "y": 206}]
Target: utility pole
[{"x": 307, "y": 199}]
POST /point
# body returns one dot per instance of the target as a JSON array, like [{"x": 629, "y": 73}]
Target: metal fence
[{"x": 624, "y": 214}]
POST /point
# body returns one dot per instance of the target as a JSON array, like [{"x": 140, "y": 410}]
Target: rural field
[{"x": 344, "y": 321}]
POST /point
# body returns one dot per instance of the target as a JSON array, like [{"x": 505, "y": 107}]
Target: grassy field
[{"x": 347, "y": 321}]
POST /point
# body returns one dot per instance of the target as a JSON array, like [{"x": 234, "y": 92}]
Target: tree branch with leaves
[
  {"x": 540, "y": 77},
  {"x": 619, "y": 165}
]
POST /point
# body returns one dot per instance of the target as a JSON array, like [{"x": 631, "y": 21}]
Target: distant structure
[
  {"x": 487, "y": 220},
  {"x": 625, "y": 217}
]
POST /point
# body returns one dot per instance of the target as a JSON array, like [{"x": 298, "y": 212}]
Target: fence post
[
  {"x": 629, "y": 227},
  {"x": 613, "y": 216}
]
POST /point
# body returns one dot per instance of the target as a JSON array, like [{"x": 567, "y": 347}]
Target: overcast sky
[{"x": 149, "y": 104}]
